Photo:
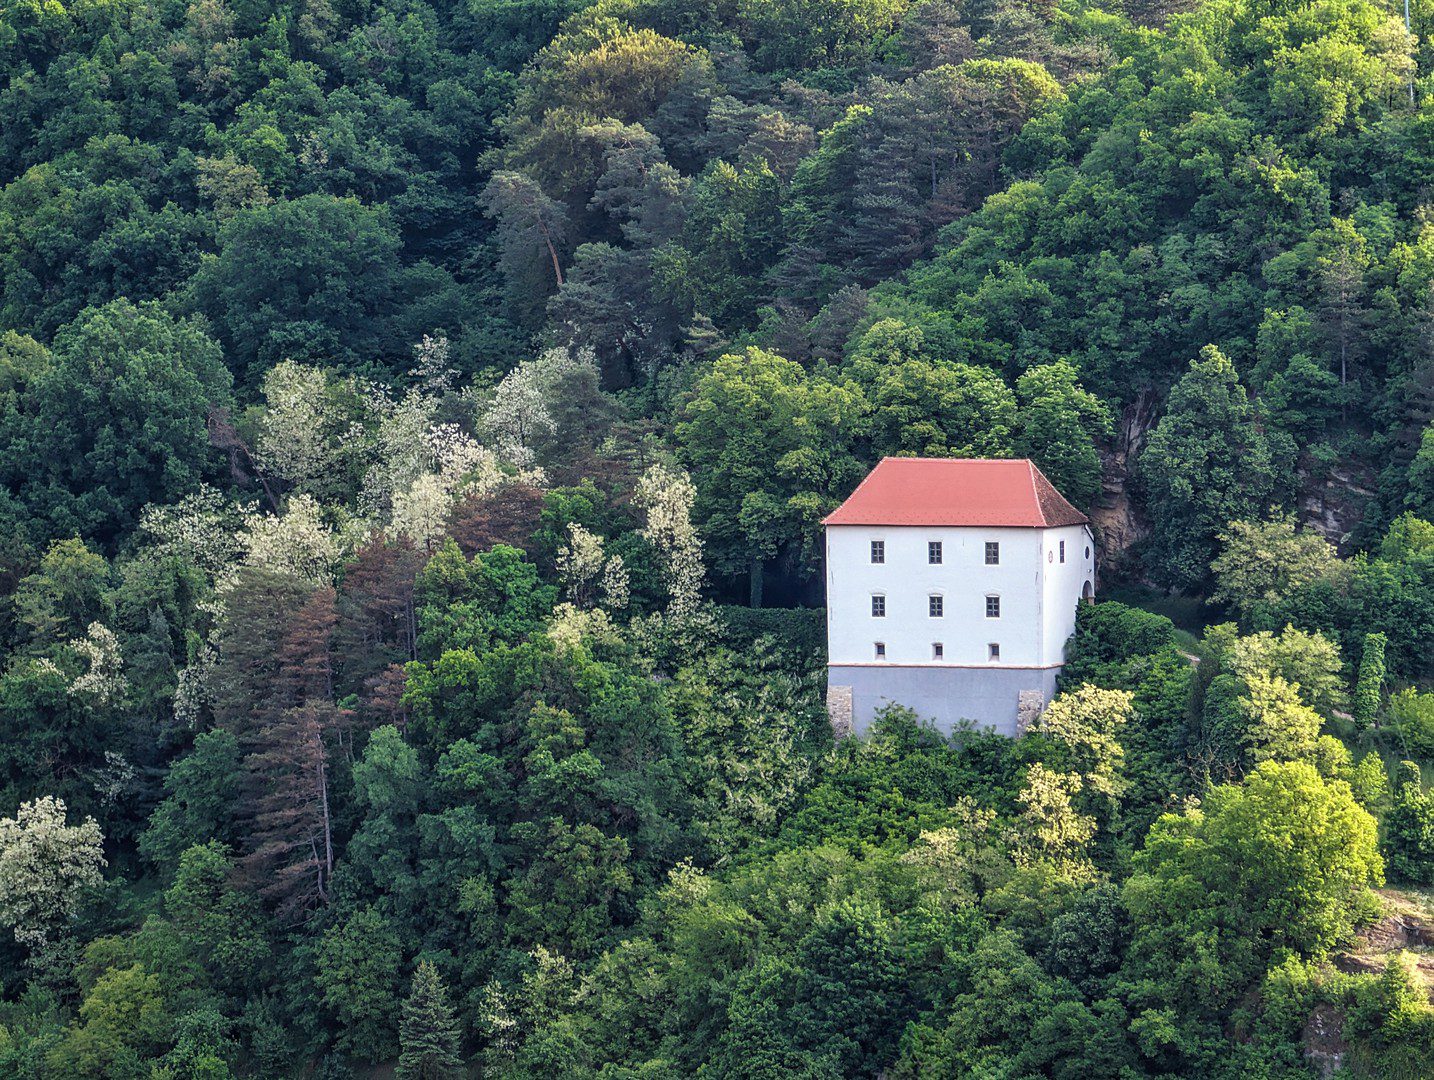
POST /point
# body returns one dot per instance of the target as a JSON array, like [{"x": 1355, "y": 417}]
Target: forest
[{"x": 416, "y": 421}]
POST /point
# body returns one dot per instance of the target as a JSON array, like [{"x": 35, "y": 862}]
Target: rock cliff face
[
  {"x": 1333, "y": 499},
  {"x": 1405, "y": 933},
  {"x": 1119, "y": 523}
]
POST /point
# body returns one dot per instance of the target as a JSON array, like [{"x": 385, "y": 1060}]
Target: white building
[{"x": 952, "y": 587}]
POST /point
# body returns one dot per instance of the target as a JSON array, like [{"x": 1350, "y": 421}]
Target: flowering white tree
[
  {"x": 202, "y": 528},
  {"x": 205, "y": 529},
  {"x": 400, "y": 448},
  {"x": 570, "y": 625},
  {"x": 192, "y": 688},
  {"x": 103, "y": 680},
  {"x": 615, "y": 584},
  {"x": 665, "y": 496},
  {"x": 431, "y": 365},
  {"x": 519, "y": 417},
  {"x": 463, "y": 467},
  {"x": 1049, "y": 827},
  {"x": 44, "y": 866},
  {"x": 587, "y": 570},
  {"x": 297, "y": 542},
  {"x": 421, "y": 511},
  {"x": 580, "y": 564},
  {"x": 297, "y": 426}
]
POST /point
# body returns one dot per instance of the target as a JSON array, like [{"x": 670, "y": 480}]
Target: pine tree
[
  {"x": 428, "y": 1032},
  {"x": 287, "y": 768},
  {"x": 1370, "y": 685},
  {"x": 510, "y": 515},
  {"x": 291, "y": 847},
  {"x": 1343, "y": 311},
  {"x": 531, "y": 229},
  {"x": 377, "y": 624}
]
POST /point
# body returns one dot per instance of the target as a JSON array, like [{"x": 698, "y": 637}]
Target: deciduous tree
[
  {"x": 1206, "y": 464},
  {"x": 45, "y": 866}
]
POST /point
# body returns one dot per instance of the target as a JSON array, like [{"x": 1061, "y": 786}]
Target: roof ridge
[
  {"x": 974, "y": 492},
  {"x": 1036, "y": 493},
  {"x": 926, "y": 459}
]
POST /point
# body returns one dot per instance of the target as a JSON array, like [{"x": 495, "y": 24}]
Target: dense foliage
[{"x": 395, "y": 397}]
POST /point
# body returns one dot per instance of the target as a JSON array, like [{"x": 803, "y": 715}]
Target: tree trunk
[
  {"x": 754, "y": 583},
  {"x": 552, "y": 251},
  {"x": 328, "y": 870}
]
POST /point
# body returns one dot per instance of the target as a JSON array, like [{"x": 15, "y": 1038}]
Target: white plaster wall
[
  {"x": 1062, "y": 584},
  {"x": 963, "y": 579}
]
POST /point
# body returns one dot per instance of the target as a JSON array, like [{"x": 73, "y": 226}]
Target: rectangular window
[
  {"x": 933, "y": 552},
  {"x": 881, "y": 650},
  {"x": 878, "y": 551},
  {"x": 935, "y": 606},
  {"x": 938, "y": 651},
  {"x": 993, "y": 553},
  {"x": 994, "y": 652},
  {"x": 993, "y": 607},
  {"x": 878, "y": 607},
  {"x": 1063, "y": 551}
]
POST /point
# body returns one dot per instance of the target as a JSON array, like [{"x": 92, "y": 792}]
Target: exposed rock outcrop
[
  {"x": 1118, "y": 522},
  {"x": 1333, "y": 499}
]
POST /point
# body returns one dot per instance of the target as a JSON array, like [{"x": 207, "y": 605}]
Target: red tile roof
[{"x": 956, "y": 492}]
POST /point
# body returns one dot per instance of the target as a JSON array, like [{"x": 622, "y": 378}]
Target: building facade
[{"x": 952, "y": 587}]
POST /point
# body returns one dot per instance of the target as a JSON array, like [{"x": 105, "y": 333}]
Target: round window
[
  {"x": 1087, "y": 552},
  {"x": 1050, "y": 556}
]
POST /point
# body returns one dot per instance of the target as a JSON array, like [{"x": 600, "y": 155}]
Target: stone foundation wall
[
  {"x": 839, "y": 710},
  {"x": 1007, "y": 700}
]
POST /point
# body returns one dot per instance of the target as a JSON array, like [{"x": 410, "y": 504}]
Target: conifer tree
[
  {"x": 287, "y": 770},
  {"x": 428, "y": 1032}
]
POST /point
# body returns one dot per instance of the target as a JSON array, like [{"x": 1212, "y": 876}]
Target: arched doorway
[{"x": 1087, "y": 593}]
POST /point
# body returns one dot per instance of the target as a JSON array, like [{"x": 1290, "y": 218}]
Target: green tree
[
  {"x": 771, "y": 448},
  {"x": 1205, "y": 465},
  {"x": 356, "y": 972},
  {"x": 118, "y": 420},
  {"x": 1058, "y": 423},
  {"x": 428, "y": 1032},
  {"x": 574, "y": 886},
  {"x": 1283, "y": 860},
  {"x": 1263, "y": 563},
  {"x": 1412, "y": 716},
  {"x": 315, "y": 279},
  {"x": 1280, "y": 727},
  {"x": 71, "y": 590},
  {"x": 495, "y": 597},
  {"x": 1369, "y": 688},
  {"x": 1409, "y": 826},
  {"x": 1009, "y": 1017},
  {"x": 1310, "y": 661},
  {"x": 223, "y": 925},
  {"x": 935, "y": 409},
  {"x": 1370, "y": 784},
  {"x": 1392, "y": 593},
  {"x": 733, "y": 235},
  {"x": 202, "y": 1049},
  {"x": 791, "y": 36},
  {"x": 201, "y": 795},
  {"x": 124, "y": 1020}
]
